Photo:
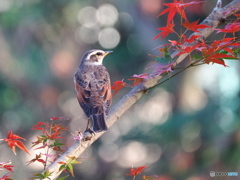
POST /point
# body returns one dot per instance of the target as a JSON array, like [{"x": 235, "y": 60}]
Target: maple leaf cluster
[
  {"x": 211, "y": 52},
  {"x": 48, "y": 140},
  {"x": 6, "y": 166},
  {"x": 199, "y": 50},
  {"x": 13, "y": 141},
  {"x": 51, "y": 133},
  {"x": 118, "y": 85}
]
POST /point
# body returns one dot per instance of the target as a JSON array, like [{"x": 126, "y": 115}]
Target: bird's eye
[{"x": 99, "y": 54}]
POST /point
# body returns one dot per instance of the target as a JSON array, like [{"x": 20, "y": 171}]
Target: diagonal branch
[{"x": 213, "y": 20}]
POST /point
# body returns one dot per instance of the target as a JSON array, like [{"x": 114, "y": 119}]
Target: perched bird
[{"x": 93, "y": 87}]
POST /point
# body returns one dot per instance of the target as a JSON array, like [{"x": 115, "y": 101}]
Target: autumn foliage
[
  {"x": 13, "y": 142},
  {"x": 200, "y": 51}
]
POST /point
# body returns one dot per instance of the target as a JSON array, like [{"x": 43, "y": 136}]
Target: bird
[{"x": 93, "y": 87}]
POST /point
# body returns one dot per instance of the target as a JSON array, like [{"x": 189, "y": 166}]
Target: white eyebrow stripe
[{"x": 94, "y": 53}]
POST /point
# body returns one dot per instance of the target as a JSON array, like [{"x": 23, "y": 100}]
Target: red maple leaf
[
  {"x": 194, "y": 26},
  {"x": 53, "y": 136},
  {"x": 162, "y": 68},
  {"x": 230, "y": 28},
  {"x": 185, "y": 40},
  {"x": 213, "y": 57},
  {"x": 118, "y": 85},
  {"x": 58, "y": 118},
  {"x": 176, "y": 7},
  {"x": 165, "y": 31},
  {"x": 135, "y": 172},
  {"x": 188, "y": 49},
  {"x": 229, "y": 50},
  {"x": 39, "y": 141},
  {"x": 174, "y": 43},
  {"x": 37, "y": 158},
  {"x": 217, "y": 58},
  {"x": 138, "y": 78},
  {"x": 237, "y": 15},
  {"x": 191, "y": 38},
  {"x": 8, "y": 167},
  {"x": 13, "y": 142},
  {"x": 221, "y": 44},
  {"x": 37, "y": 126},
  {"x": 58, "y": 128},
  {"x": 6, "y": 177},
  {"x": 213, "y": 52},
  {"x": 42, "y": 147}
]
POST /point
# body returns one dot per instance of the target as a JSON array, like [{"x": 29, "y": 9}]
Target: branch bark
[{"x": 213, "y": 20}]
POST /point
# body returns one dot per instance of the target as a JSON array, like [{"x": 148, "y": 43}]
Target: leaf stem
[{"x": 47, "y": 151}]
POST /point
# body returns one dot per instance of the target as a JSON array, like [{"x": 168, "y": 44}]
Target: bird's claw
[{"x": 88, "y": 134}]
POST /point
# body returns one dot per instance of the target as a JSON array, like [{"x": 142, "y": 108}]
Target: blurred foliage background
[{"x": 182, "y": 130}]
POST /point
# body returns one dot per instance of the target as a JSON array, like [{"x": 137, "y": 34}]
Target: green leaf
[
  {"x": 38, "y": 176},
  {"x": 75, "y": 162},
  {"x": 236, "y": 51},
  {"x": 71, "y": 158},
  {"x": 42, "y": 176},
  {"x": 45, "y": 140},
  {"x": 47, "y": 173},
  {"x": 62, "y": 178},
  {"x": 57, "y": 143},
  {"x": 62, "y": 167},
  {"x": 165, "y": 59},
  {"x": 70, "y": 169},
  {"x": 197, "y": 56}
]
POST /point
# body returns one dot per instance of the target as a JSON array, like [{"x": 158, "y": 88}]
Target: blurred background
[{"x": 182, "y": 130}]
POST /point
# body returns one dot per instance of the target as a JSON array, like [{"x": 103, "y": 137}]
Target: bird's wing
[
  {"x": 107, "y": 97},
  {"x": 104, "y": 85},
  {"x": 83, "y": 92}
]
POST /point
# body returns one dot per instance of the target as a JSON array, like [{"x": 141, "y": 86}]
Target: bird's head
[{"x": 94, "y": 57}]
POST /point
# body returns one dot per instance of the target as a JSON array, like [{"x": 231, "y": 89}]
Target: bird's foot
[{"x": 88, "y": 134}]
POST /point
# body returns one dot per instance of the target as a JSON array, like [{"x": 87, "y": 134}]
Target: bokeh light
[
  {"x": 97, "y": 25},
  {"x": 107, "y": 15},
  {"x": 226, "y": 119},
  {"x": 138, "y": 154},
  {"x": 157, "y": 109},
  {"x": 5, "y": 5},
  {"x": 87, "y": 16},
  {"x": 134, "y": 153},
  {"x": 109, "y": 152},
  {"x": 109, "y": 38}
]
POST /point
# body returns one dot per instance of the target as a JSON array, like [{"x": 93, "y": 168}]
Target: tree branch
[{"x": 213, "y": 20}]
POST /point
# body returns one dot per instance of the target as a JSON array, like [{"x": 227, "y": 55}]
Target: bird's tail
[{"x": 99, "y": 123}]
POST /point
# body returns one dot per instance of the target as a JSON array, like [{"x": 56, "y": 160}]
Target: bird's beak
[{"x": 107, "y": 52}]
